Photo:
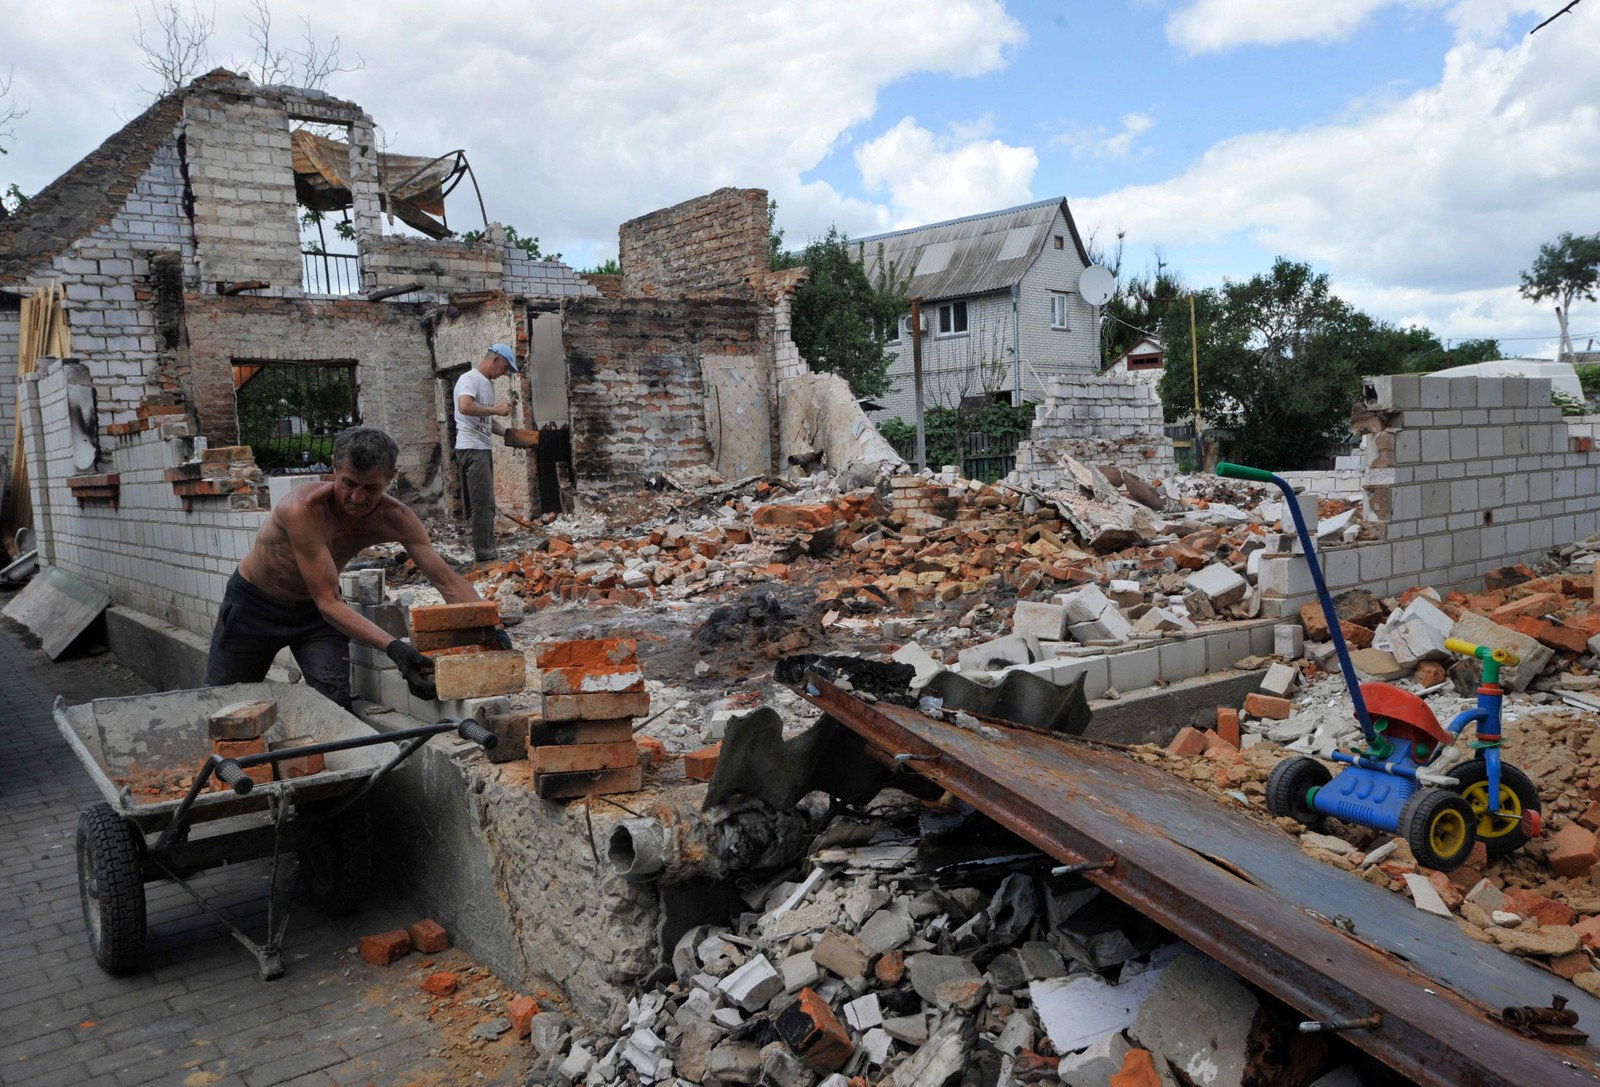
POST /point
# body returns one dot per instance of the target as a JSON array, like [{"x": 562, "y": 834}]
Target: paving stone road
[{"x": 196, "y": 1013}]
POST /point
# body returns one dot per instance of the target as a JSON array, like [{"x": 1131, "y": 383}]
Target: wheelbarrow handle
[
  {"x": 469, "y": 729},
  {"x": 233, "y": 774}
]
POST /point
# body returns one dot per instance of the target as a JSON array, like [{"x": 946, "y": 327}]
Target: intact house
[
  {"x": 1001, "y": 313},
  {"x": 1141, "y": 362}
]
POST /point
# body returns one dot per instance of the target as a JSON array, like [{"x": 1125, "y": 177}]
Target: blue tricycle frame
[{"x": 1386, "y": 783}]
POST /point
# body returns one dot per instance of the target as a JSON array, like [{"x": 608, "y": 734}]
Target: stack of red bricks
[
  {"x": 460, "y": 639},
  {"x": 241, "y": 729},
  {"x": 226, "y": 470},
  {"x": 592, "y": 691}
]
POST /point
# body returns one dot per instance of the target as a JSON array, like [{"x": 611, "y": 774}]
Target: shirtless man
[{"x": 286, "y": 590}]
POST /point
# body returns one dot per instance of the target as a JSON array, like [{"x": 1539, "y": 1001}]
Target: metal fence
[
  {"x": 330, "y": 273},
  {"x": 989, "y": 457},
  {"x": 289, "y": 412}
]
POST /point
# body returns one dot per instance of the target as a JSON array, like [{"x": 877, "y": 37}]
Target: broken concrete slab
[
  {"x": 1220, "y": 584},
  {"x": 1095, "y": 1066},
  {"x": 57, "y": 607},
  {"x": 1481, "y": 631},
  {"x": 1078, "y": 1011},
  {"x": 996, "y": 655},
  {"x": 1200, "y": 1017},
  {"x": 927, "y": 971}
]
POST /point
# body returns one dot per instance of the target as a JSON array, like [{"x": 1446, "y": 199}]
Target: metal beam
[{"x": 1243, "y": 893}]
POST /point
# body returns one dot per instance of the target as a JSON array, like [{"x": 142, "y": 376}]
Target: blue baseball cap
[{"x": 509, "y": 355}]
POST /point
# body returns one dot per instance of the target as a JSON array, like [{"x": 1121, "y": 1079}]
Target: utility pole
[
  {"x": 1194, "y": 362},
  {"x": 916, "y": 380}
]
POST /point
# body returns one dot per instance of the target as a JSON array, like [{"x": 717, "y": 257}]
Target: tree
[
  {"x": 177, "y": 47},
  {"x": 527, "y": 243},
  {"x": 777, "y": 257},
  {"x": 13, "y": 198},
  {"x": 1280, "y": 361},
  {"x": 841, "y": 316},
  {"x": 607, "y": 267},
  {"x": 1566, "y": 269}
]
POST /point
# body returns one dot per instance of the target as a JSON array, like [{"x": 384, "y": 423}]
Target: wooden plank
[
  {"x": 571, "y": 757},
  {"x": 600, "y": 783}
]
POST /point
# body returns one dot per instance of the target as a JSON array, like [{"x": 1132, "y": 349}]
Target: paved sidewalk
[{"x": 196, "y": 1013}]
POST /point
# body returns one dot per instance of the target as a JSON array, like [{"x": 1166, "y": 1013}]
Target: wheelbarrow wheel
[
  {"x": 111, "y": 888},
  {"x": 1289, "y": 789},
  {"x": 336, "y": 861},
  {"x": 1440, "y": 828},
  {"x": 1498, "y": 833}
]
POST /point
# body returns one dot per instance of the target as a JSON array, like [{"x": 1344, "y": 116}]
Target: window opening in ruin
[{"x": 290, "y": 411}]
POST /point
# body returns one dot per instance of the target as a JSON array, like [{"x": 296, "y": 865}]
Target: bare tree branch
[
  {"x": 178, "y": 47},
  {"x": 309, "y": 67},
  {"x": 9, "y": 109},
  {"x": 1556, "y": 16}
]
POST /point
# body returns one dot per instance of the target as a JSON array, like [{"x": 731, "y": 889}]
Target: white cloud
[
  {"x": 929, "y": 178},
  {"x": 1446, "y": 192},
  {"x": 1094, "y": 142},
  {"x": 1209, "y": 26},
  {"x": 576, "y": 117}
]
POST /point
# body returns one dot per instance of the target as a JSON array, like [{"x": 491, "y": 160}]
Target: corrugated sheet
[{"x": 975, "y": 255}]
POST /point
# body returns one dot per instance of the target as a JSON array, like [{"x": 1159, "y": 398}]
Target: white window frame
[
  {"x": 894, "y": 330},
  {"x": 947, "y": 319},
  {"x": 1058, "y": 311}
]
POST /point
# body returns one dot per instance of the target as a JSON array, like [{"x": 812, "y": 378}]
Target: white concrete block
[{"x": 1045, "y": 621}]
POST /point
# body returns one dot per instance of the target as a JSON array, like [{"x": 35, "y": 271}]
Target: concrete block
[
  {"x": 1477, "y": 630},
  {"x": 1279, "y": 680},
  {"x": 1221, "y": 585},
  {"x": 799, "y": 971},
  {"x": 1183, "y": 659},
  {"x": 1225, "y": 647},
  {"x": 1199, "y": 1017},
  {"x": 1135, "y": 669},
  {"x": 1288, "y": 640},
  {"x": 1095, "y": 1066},
  {"x": 927, "y": 972},
  {"x": 996, "y": 655},
  {"x": 1086, "y": 604},
  {"x": 752, "y": 985},
  {"x": 1046, "y": 621},
  {"x": 1111, "y": 626}
]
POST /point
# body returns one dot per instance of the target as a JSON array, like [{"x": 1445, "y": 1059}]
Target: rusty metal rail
[{"x": 1245, "y": 895}]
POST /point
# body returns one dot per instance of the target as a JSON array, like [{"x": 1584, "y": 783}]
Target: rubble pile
[{"x": 871, "y": 969}]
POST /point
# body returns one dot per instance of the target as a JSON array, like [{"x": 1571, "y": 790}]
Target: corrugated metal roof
[{"x": 976, "y": 255}]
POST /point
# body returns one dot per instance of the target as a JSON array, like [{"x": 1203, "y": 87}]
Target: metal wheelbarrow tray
[{"x": 129, "y": 840}]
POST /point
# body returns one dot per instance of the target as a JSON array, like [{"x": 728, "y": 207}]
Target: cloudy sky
[{"x": 1418, "y": 151}]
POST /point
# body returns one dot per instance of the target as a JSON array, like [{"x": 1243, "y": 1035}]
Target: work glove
[
  {"x": 502, "y": 638},
  {"x": 415, "y": 669}
]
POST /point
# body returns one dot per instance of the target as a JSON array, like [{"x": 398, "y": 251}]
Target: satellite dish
[{"x": 1096, "y": 285}]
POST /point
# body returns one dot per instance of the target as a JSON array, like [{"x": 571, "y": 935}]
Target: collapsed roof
[{"x": 411, "y": 188}]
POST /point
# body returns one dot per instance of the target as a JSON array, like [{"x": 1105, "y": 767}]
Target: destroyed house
[{"x": 998, "y": 302}]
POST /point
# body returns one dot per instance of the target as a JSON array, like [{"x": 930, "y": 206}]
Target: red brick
[
  {"x": 1228, "y": 725},
  {"x": 1448, "y": 891},
  {"x": 301, "y": 765},
  {"x": 476, "y": 613},
  {"x": 428, "y": 936},
  {"x": 1589, "y": 931},
  {"x": 1188, "y": 742},
  {"x": 700, "y": 765},
  {"x": 440, "y": 983},
  {"x": 1567, "y": 639},
  {"x": 1570, "y": 965},
  {"x": 891, "y": 968},
  {"x": 1573, "y": 852},
  {"x": 595, "y": 707},
  {"x": 542, "y": 733},
  {"x": 238, "y": 749},
  {"x": 587, "y": 783},
  {"x": 1536, "y": 604},
  {"x": 1536, "y": 907},
  {"x": 1265, "y": 705},
  {"x": 570, "y": 758},
  {"x": 1314, "y": 621},
  {"x": 1138, "y": 1070},
  {"x": 243, "y": 720},
  {"x": 1429, "y": 674},
  {"x": 625, "y": 679},
  {"x": 651, "y": 751},
  {"x": 383, "y": 948},
  {"x": 428, "y": 640},
  {"x": 480, "y": 675},
  {"x": 599, "y": 655},
  {"x": 521, "y": 1010},
  {"x": 1590, "y": 819},
  {"x": 815, "y": 1035}
]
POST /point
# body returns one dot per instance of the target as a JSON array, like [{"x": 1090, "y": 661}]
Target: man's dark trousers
[{"x": 477, "y": 499}]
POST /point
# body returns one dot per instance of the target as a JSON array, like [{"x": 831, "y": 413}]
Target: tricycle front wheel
[
  {"x": 111, "y": 888},
  {"x": 336, "y": 860}
]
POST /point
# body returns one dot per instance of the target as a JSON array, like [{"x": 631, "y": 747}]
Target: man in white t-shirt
[{"x": 477, "y": 418}]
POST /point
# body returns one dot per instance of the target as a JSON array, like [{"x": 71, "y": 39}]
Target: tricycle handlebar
[{"x": 1483, "y": 652}]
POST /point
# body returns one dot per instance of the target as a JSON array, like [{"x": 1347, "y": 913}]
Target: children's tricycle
[{"x": 1386, "y": 782}]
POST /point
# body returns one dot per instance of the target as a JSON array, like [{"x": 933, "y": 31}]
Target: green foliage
[
  {"x": 607, "y": 267},
  {"x": 13, "y": 199},
  {"x": 946, "y": 431},
  {"x": 1280, "y": 360},
  {"x": 1139, "y": 306},
  {"x": 343, "y": 228},
  {"x": 1565, "y": 269},
  {"x": 841, "y": 317},
  {"x": 1569, "y": 404},
  {"x": 528, "y": 244},
  {"x": 1589, "y": 378}
]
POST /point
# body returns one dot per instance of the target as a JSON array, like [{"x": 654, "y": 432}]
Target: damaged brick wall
[
  {"x": 439, "y": 266},
  {"x": 1464, "y": 475},
  {"x": 541, "y": 278},
  {"x": 147, "y": 551},
  {"x": 1097, "y": 421},
  {"x": 635, "y": 385},
  {"x": 713, "y": 244},
  {"x": 241, "y": 171},
  {"x": 386, "y": 341}
]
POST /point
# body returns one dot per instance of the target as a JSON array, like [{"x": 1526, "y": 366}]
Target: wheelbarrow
[
  {"x": 1393, "y": 781},
  {"x": 131, "y": 839}
]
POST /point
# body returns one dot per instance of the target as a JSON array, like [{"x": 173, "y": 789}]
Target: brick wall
[
  {"x": 241, "y": 171},
  {"x": 394, "y": 368},
  {"x": 1097, "y": 421},
  {"x": 523, "y": 275},
  {"x": 440, "y": 266},
  {"x": 713, "y": 244},
  {"x": 1463, "y": 475},
  {"x": 635, "y": 386},
  {"x": 147, "y": 553}
]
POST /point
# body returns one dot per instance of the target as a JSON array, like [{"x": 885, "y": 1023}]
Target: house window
[
  {"x": 290, "y": 411},
  {"x": 953, "y": 319},
  {"x": 888, "y": 329},
  {"x": 1144, "y": 362},
  {"x": 1058, "y": 311},
  {"x": 1059, "y": 243}
]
